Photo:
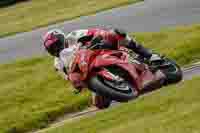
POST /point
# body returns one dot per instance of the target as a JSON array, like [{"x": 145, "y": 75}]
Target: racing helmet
[{"x": 54, "y": 42}]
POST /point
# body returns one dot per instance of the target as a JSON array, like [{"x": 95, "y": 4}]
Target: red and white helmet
[{"x": 54, "y": 42}]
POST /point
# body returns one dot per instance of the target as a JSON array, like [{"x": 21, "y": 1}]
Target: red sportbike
[{"x": 115, "y": 75}]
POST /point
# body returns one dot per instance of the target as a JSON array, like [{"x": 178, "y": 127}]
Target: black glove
[
  {"x": 99, "y": 43},
  {"x": 97, "y": 39}
]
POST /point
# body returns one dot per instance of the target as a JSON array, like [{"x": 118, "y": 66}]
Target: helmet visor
[{"x": 55, "y": 48}]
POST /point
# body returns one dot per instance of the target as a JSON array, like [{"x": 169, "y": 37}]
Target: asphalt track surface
[
  {"x": 150, "y": 15},
  {"x": 188, "y": 73}
]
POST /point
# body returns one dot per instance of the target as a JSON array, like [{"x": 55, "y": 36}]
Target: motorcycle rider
[{"x": 63, "y": 46}]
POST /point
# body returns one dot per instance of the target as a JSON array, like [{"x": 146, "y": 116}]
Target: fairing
[{"x": 88, "y": 61}]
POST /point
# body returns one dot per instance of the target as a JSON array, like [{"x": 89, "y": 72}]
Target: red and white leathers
[
  {"x": 64, "y": 61},
  {"x": 114, "y": 38}
]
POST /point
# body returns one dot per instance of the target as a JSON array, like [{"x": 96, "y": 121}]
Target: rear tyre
[
  {"x": 108, "y": 89},
  {"x": 173, "y": 72}
]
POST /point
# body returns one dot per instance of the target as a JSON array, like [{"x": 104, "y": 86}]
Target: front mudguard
[{"x": 106, "y": 74}]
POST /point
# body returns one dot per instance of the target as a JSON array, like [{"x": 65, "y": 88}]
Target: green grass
[
  {"x": 32, "y": 94},
  {"x": 174, "y": 109},
  {"x": 181, "y": 43},
  {"x": 32, "y": 14}
]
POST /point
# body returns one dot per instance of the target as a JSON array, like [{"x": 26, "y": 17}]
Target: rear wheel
[
  {"x": 119, "y": 91},
  {"x": 172, "y": 71}
]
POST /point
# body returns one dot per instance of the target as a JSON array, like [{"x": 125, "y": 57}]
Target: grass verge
[
  {"x": 32, "y": 14},
  {"x": 172, "y": 109},
  {"x": 31, "y": 94},
  {"x": 181, "y": 43}
]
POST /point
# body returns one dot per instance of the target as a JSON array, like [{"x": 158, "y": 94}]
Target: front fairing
[
  {"x": 87, "y": 60},
  {"x": 81, "y": 62}
]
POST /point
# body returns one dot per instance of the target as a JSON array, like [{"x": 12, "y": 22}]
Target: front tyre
[{"x": 111, "y": 90}]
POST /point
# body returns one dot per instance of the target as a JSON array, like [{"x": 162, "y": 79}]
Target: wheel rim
[{"x": 119, "y": 86}]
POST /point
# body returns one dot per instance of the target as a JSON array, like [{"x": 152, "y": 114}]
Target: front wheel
[{"x": 120, "y": 92}]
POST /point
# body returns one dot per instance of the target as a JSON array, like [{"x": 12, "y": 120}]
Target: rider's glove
[{"x": 96, "y": 39}]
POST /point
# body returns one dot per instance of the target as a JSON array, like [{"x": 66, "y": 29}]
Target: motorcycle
[{"x": 115, "y": 75}]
